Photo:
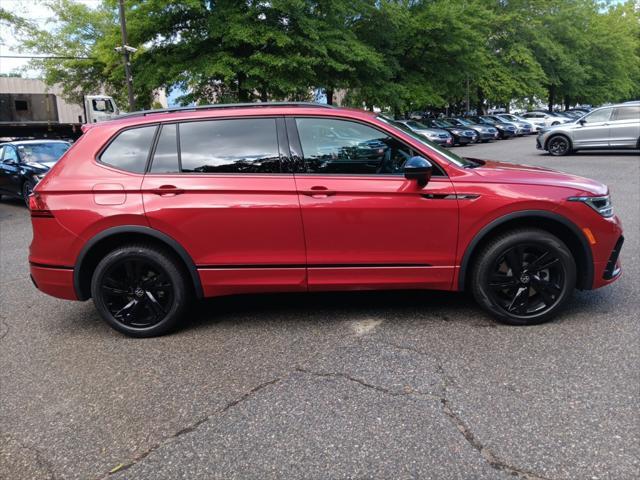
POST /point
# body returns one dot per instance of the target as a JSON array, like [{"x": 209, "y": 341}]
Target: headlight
[{"x": 602, "y": 205}]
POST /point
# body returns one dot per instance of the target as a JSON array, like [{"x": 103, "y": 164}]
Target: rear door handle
[
  {"x": 318, "y": 192},
  {"x": 167, "y": 190}
]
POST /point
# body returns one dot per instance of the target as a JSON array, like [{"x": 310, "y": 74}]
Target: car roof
[{"x": 230, "y": 110}]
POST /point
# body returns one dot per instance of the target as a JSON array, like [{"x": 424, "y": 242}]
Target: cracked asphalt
[{"x": 386, "y": 385}]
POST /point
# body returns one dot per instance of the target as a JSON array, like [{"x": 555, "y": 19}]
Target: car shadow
[
  {"x": 401, "y": 305},
  {"x": 600, "y": 153}
]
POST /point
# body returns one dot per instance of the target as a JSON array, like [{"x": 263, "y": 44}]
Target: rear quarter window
[{"x": 129, "y": 150}]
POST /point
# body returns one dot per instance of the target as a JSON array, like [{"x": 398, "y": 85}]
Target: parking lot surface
[{"x": 387, "y": 385}]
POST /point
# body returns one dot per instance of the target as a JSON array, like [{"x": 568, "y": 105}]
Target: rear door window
[
  {"x": 130, "y": 149},
  {"x": 628, "y": 113},
  {"x": 245, "y": 145},
  {"x": 165, "y": 158}
]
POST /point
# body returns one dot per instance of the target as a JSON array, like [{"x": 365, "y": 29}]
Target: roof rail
[{"x": 216, "y": 106}]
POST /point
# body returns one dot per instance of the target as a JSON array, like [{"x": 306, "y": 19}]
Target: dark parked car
[
  {"x": 505, "y": 130},
  {"x": 461, "y": 135},
  {"x": 485, "y": 132},
  {"x": 24, "y": 163},
  {"x": 522, "y": 128}
]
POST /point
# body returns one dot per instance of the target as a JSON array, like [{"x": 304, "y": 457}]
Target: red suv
[{"x": 149, "y": 211}]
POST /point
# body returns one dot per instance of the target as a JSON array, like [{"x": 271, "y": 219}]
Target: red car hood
[{"x": 498, "y": 172}]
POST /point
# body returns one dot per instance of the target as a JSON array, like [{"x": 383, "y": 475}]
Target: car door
[
  {"x": 625, "y": 127},
  {"x": 10, "y": 171},
  {"x": 365, "y": 224},
  {"x": 592, "y": 130},
  {"x": 221, "y": 189}
]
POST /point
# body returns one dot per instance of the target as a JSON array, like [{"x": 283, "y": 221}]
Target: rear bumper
[{"x": 54, "y": 281}]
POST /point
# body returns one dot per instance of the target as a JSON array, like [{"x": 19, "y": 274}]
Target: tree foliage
[{"x": 395, "y": 54}]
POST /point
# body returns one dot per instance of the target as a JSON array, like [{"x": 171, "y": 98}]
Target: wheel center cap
[
  {"x": 525, "y": 278},
  {"x": 139, "y": 292}
]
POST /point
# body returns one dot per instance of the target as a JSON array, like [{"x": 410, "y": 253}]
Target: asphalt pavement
[{"x": 387, "y": 385}]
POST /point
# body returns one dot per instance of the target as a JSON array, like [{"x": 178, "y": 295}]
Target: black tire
[
  {"x": 27, "y": 188},
  {"x": 523, "y": 277},
  {"x": 140, "y": 291},
  {"x": 558, "y": 145}
]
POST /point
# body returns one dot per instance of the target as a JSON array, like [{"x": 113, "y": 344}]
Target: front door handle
[
  {"x": 318, "y": 191},
  {"x": 167, "y": 190}
]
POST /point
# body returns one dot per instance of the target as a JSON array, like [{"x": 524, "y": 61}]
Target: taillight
[{"x": 38, "y": 206}]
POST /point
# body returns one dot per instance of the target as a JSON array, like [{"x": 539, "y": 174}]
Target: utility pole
[{"x": 126, "y": 50}]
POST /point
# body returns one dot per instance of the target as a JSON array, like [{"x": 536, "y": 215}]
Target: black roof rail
[{"x": 144, "y": 113}]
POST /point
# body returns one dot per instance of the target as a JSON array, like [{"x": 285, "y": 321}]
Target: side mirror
[
  {"x": 582, "y": 121},
  {"x": 419, "y": 169}
]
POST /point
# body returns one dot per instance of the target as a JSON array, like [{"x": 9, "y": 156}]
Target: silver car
[
  {"x": 611, "y": 127},
  {"x": 534, "y": 126}
]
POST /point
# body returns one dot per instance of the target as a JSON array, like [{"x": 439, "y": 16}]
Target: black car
[
  {"x": 24, "y": 163},
  {"x": 461, "y": 135},
  {"x": 485, "y": 132},
  {"x": 505, "y": 130}
]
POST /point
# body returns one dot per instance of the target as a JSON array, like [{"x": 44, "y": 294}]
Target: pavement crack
[
  {"x": 190, "y": 428},
  {"x": 4, "y": 328},
  {"x": 41, "y": 460},
  {"x": 487, "y": 454},
  {"x": 365, "y": 384}
]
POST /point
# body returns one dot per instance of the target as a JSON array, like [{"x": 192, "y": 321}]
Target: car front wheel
[
  {"x": 27, "y": 189},
  {"x": 558, "y": 146},
  {"x": 524, "y": 277},
  {"x": 140, "y": 291}
]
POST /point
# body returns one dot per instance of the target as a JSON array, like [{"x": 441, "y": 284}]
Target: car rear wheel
[
  {"x": 558, "y": 146},
  {"x": 524, "y": 277},
  {"x": 27, "y": 189},
  {"x": 140, "y": 291}
]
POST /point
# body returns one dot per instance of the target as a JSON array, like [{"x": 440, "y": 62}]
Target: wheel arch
[
  {"x": 554, "y": 223},
  {"x": 110, "y": 238},
  {"x": 559, "y": 134}
]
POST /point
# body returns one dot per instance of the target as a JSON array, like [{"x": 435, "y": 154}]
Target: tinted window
[
  {"x": 10, "y": 154},
  {"x": 42, "y": 152},
  {"x": 230, "y": 146},
  {"x": 599, "y": 116},
  {"x": 628, "y": 113},
  {"x": 165, "y": 158},
  {"x": 338, "y": 146},
  {"x": 130, "y": 149}
]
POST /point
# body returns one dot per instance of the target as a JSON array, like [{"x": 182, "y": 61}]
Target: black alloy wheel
[
  {"x": 524, "y": 277},
  {"x": 140, "y": 291},
  {"x": 27, "y": 189},
  {"x": 558, "y": 146}
]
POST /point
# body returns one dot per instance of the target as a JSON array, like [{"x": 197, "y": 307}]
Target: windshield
[
  {"x": 509, "y": 117},
  {"x": 462, "y": 121},
  {"x": 417, "y": 125},
  {"x": 42, "y": 152},
  {"x": 443, "y": 124},
  {"x": 452, "y": 157}
]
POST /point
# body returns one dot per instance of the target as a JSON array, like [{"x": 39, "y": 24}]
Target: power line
[{"x": 53, "y": 57}]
